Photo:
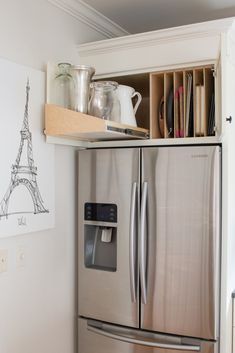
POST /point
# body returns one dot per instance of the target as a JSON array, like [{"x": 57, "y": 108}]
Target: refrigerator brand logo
[{"x": 199, "y": 156}]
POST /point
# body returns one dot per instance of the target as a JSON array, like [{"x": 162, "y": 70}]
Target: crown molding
[
  {"x": 92, "y": 18},
  {"x": 153, "y": 38}
]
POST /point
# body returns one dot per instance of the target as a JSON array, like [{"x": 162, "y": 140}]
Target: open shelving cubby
[
  {"x": 168, "y": 111},
  {"x": 140, "y": 82},
  {"x": 179, "y": 112},
  {"x": 69, "y": 124}
]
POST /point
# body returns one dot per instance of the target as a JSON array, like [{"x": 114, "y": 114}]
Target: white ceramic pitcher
[{"x": 125, "y": 95}]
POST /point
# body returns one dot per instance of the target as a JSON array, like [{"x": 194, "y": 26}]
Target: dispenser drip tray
[{"x": 101, "y": 247}]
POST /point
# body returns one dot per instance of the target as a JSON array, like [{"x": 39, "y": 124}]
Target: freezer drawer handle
[
  {"x": 113, "y": 334},
  {"x": 142, "y": 249},
  {"x": 132, "y": 245}
]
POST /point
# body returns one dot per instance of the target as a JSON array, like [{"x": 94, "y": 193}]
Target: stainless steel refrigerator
[{"x": 149, "y": 249}]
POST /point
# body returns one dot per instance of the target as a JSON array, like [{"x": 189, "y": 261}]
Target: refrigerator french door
[
  {"x": 149, "y": 223},
  {"x": 107, "y": 281}
]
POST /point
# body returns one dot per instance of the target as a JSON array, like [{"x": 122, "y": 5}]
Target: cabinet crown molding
[
  {"x": 153, "y": 38},
  {"x": 92, "y": 18}
]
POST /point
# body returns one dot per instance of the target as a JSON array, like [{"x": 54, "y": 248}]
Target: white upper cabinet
[
  {"x": 157, "y": 50},
  {"x": 159, "y": 65}
]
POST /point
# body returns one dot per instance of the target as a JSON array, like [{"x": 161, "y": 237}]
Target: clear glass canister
[
  {"x": 104, "y": 102},
  {"x": 82, "y": 75},
  {"x": 63, "y": 87}
]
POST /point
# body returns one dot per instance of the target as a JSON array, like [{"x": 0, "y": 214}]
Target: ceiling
[{"x": 146, "y": 15}]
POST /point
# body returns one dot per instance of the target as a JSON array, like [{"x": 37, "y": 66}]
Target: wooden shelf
[{"x": 61, "y": 122}]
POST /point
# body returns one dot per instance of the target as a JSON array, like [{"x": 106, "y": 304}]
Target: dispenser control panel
[{"x": 100, "y": 212}]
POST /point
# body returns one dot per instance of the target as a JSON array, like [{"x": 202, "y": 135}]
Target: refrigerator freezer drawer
[{"x": 97, "y": 337}]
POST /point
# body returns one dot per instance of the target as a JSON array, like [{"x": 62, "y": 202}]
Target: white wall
[{"x": 38, "y": 301}]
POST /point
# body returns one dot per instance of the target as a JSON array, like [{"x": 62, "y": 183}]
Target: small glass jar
[
  {"x": 63, "y": 87},
  {"x": 104, "y": 102}
]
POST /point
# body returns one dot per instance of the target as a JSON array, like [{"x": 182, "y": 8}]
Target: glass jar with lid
[{"x": 104, "y": 102}]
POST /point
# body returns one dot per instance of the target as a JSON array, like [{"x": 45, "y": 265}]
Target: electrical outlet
[
  {"x": 3, "y": 260},
  {"x": 20, "y": 257}
]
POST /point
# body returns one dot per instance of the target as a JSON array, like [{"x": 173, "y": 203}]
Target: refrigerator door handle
[
  {"x": 132, "y": 245},
  {"x": 142, "y": 247},
  {"x": 107, "y": 331}
]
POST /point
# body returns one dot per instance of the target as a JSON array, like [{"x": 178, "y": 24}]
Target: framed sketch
[{"x": 27, "y": 162}]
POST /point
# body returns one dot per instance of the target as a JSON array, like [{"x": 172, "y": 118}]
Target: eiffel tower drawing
[{"x": 24, "y": 174}]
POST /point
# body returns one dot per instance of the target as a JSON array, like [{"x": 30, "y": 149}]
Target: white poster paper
[{"x": 26, "y": 160}]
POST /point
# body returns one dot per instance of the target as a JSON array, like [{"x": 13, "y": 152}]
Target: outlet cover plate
[{"x": 3, "y": 260}]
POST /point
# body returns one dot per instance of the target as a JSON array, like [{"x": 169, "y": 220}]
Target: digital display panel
[{"x": 101, "y": 212}]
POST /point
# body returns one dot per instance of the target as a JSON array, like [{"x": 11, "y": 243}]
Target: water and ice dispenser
[{"x": 100, "y": 236}]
